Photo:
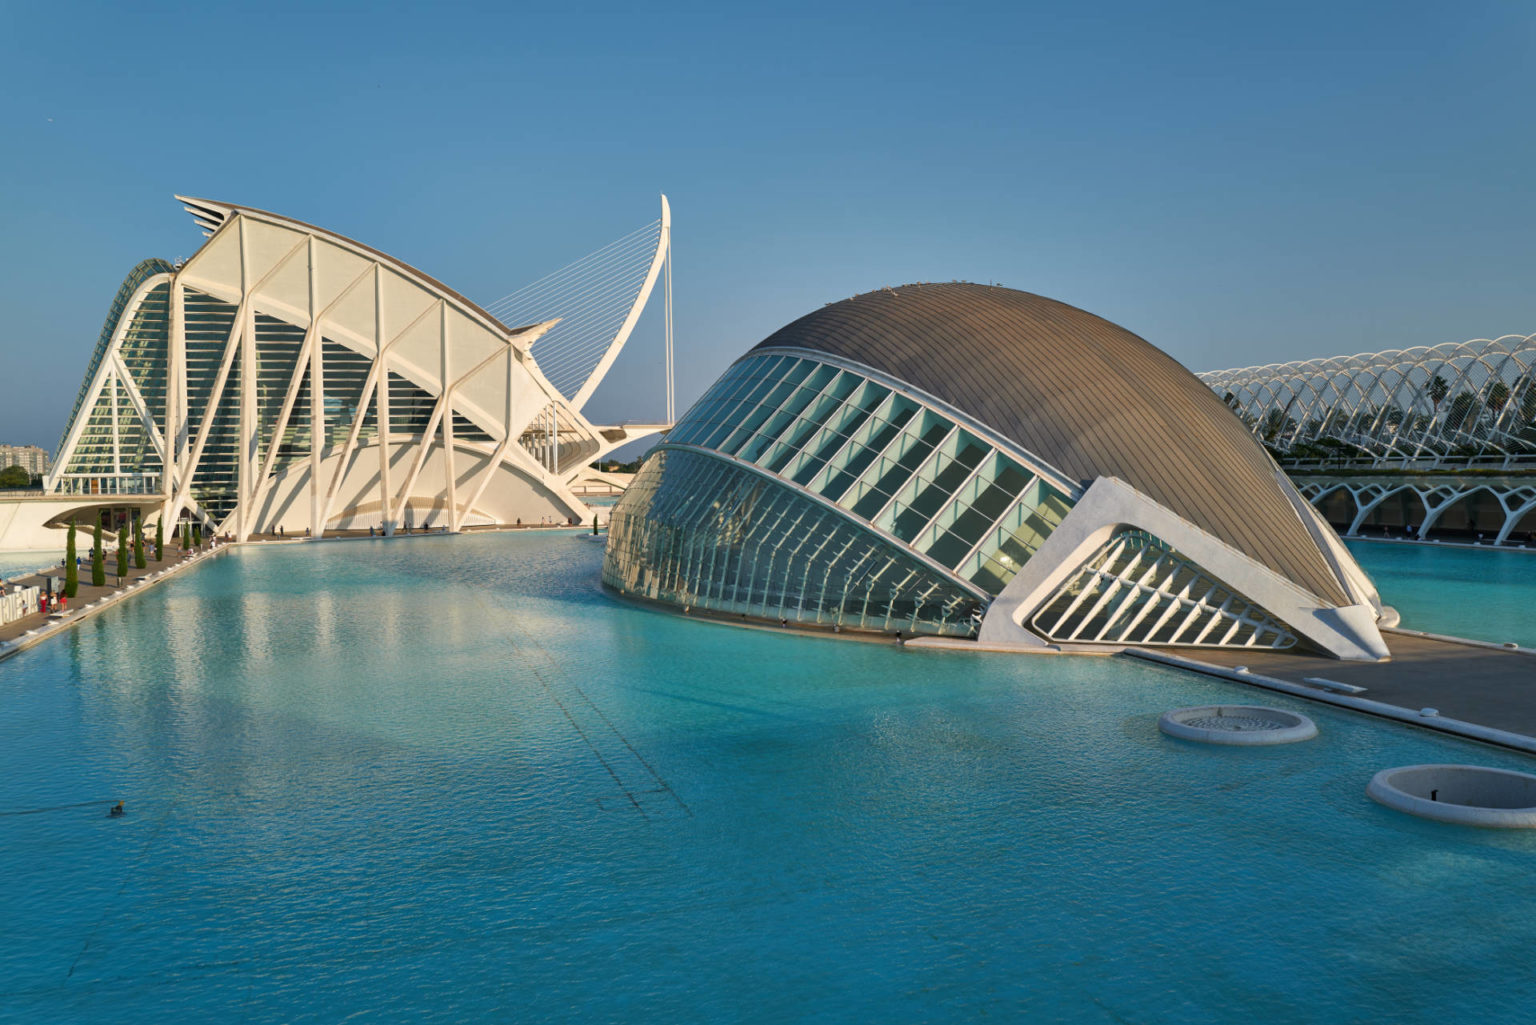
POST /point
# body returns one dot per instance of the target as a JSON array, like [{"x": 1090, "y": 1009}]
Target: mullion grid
[
  {"x": 797, "y": 436},
  {"x": 783, "y": 413},
  {"x": 763, "y": 401},
  {"x": 723, "y": 414},
  {"x": 1127, "y": 595},
  {"x": 793, "y": 435},
  {"x": 836, "y": 431},
  {"x": 888, "y": 474},
  {"x": 932, "y": 487},
  {"x": 705, "y": 534},
  {"x": 856, "y": 442},
  {"x": 698, "y": 418}
]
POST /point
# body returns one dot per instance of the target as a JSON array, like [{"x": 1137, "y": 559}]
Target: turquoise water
[
  {"x": 22, "y": 563},
  {"x": 1488, "y": 595},
  {"x": 449, "y": 780}
]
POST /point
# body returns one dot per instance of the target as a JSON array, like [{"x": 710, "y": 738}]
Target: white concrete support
[
  {"x": 117, "y": 442},
  {"x": 135, "y": 398},
  {"x": 317, "y": 423},
  {"x": 195, "y": 454},
  {"x": 450, "y": 484},
  {"x": 247, "y": 394},
  {"x": 1110, "y": 505},
  {"x": 497, "y": 456},
  {"x": 663, "y": 246},
  {"x": 176, "y": 390},
  {"x": 397, "y": 509},
  {"x": 671, "y": 384},
  {"x": 365, "y": 400},
  {"x": 381, "y": 400}
]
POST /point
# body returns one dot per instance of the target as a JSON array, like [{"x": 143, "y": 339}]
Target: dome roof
[{"x": 1086, "y": 396}]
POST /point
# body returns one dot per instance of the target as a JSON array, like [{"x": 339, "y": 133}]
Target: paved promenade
[
  {"x": 1485, "y": 686},
  {"x": 87, "y": 595}
]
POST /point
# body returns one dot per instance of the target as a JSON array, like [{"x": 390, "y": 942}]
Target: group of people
[{"x": 425, "y": 528}]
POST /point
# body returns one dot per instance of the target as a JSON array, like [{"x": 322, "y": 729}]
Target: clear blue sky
[{"x": 1237, "y": 183}]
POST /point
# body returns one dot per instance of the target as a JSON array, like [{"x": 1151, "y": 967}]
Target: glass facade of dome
[{"x": 836, "y": 499}]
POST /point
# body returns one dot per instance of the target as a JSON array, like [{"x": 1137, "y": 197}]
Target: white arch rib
[
  {"x": 663, "y": 251},
  {"x": 599, "y": 299}
]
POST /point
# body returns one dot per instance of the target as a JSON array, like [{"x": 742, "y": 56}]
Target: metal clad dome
[{"x": 1085, "y": 395}]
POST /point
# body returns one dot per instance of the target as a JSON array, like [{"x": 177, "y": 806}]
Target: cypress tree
[
  {"x": 138, "y": 543},
  {"x": 122, "y": 555},
  {"x": 71, "y": 571},
  {"x": 160, "y": 539},
  {"x": 98, "y": 565}
]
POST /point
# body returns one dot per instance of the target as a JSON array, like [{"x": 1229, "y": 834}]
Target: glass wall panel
[
  {"x": 890, "y": 461},
  {"x": 698, "y": 532}
]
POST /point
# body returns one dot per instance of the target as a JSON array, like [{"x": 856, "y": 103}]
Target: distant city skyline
[
  {"x": 1237, "y": 185},
  {"x": 32, "y": 458}
]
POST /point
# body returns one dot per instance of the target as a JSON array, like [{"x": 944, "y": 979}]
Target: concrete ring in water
[
  {"x": 1468, "y": 795},
  {"x": 1237, "y": 724}
]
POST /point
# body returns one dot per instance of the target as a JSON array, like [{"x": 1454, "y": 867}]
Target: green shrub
[
  {"x": 71, "y": 571},
  {"x": 98, "y": 564}
]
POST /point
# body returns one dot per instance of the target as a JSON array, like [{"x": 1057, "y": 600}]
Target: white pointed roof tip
[
  {"x": 524, "y": 337},
  {"x": 206, "y": 214}
]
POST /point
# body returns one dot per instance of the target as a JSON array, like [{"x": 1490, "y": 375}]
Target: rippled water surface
[{"x": 448, "y": 779}]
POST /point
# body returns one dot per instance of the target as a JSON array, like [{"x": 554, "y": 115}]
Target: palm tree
[{"x": 1438, "y": 389}]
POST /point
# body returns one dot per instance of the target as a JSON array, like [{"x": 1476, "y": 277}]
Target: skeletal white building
[
  {"x": 1445, "y": 406},
  {"x": 1382, "y": 442},
  {"x": 287, "y": 378}
]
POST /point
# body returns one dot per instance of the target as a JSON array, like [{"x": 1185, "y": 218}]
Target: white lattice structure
[
  {"x": 1478, "y": 510},
  {"x": 1452, "y": 403},
  {"x": 1138, "y": 590},
  {"x": 288, "y": 378}
]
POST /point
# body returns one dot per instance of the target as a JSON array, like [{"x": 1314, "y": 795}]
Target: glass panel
[
  {"x": 935, "y": 482},
  {"x": 702, "y": 534},
  {"x": 1018, "y": 534}
]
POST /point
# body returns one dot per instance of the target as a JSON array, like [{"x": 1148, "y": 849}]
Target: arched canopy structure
[{"x": 1426, "y": 406}]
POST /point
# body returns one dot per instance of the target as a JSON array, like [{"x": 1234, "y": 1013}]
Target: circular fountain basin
[
  {"x": 1237, "y": 724},
  {"x": 1469, "y": 795}
]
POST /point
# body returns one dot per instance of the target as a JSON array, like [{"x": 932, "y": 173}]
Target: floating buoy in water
[{"x": 117, "y": 810}]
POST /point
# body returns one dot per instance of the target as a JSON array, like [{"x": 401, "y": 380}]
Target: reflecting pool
[
  {"x": 1485, "y": 594},
  {"x": 449, "y": 779}
]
